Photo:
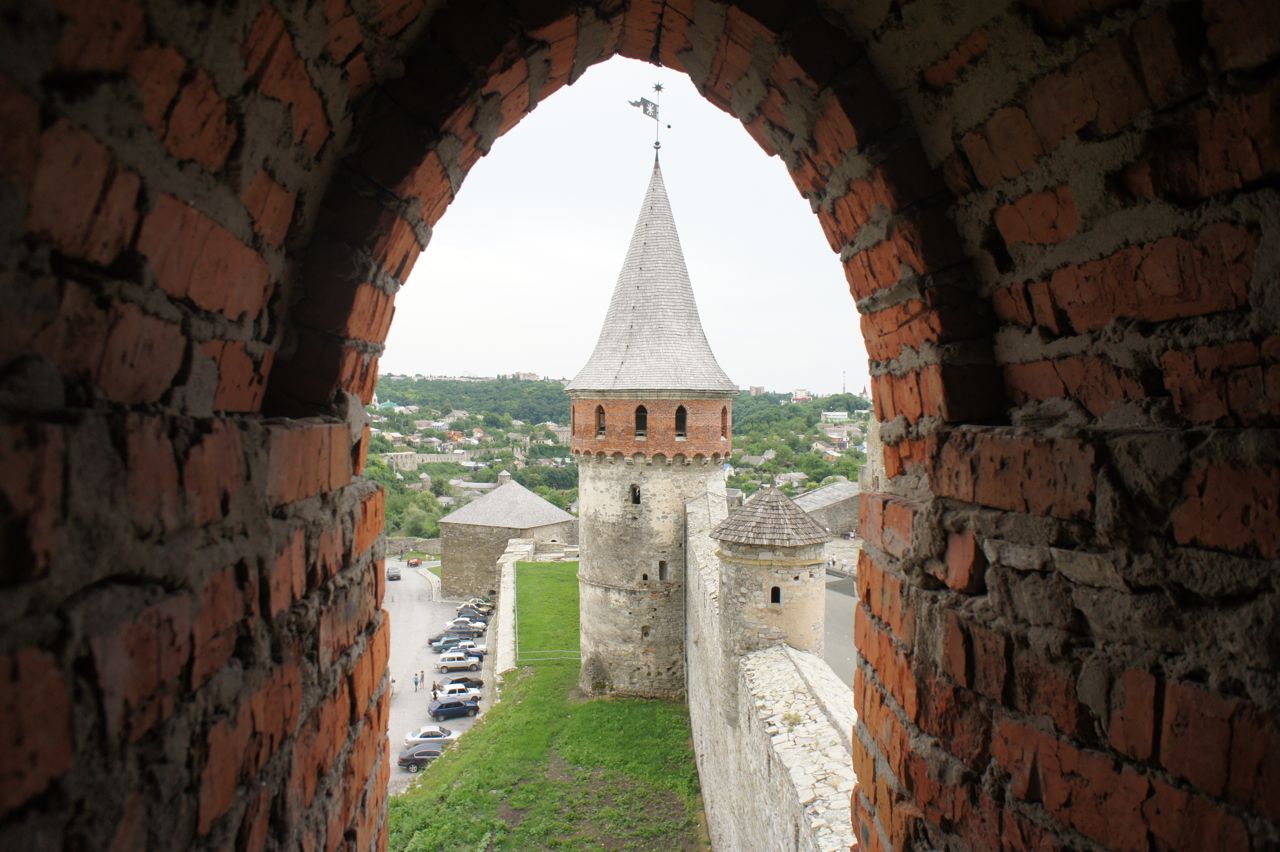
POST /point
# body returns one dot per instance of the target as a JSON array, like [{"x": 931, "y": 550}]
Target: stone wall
[
  {"x": 469, "y": 554},
  {"x": 429, "y": 546},
  {"x": 840, "y": 516},
  {"x": 771, "y": 728},
  {"x": 632, "y": 617}
]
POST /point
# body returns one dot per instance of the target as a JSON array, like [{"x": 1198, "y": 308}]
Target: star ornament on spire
[{"x": 650, "y": 109}]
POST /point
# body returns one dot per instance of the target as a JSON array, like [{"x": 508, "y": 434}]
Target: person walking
[{"x": 415, "y": 682}]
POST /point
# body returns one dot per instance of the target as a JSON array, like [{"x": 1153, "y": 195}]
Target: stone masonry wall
[
  {"x": 469, "y": 554},
  {"x": 771, "y": 728}
]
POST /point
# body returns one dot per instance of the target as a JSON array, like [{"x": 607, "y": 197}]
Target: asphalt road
[
  {"x": 842, "y": 596},
  {"x": 415, "y": 616}
]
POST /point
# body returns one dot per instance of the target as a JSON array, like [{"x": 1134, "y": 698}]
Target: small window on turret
[
  {"x": 635, "y": 494},
  {"x": 775, "y": 595},
  {"x": 644, "y": 632},
  {"x": 662, "y": 569},
  {"x": 599, "y": 421},
  {"x": 642, "y": 421},
  {"x": 724, "y": 422},
  {"x": 682, "y": 422}
]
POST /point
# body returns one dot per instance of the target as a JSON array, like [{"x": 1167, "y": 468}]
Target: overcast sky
[{"x": 521, "y": 267}]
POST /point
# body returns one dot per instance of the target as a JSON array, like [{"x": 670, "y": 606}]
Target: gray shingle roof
[
  {"x": 652, "y": 338},
  {"x": 510, "y": 505},
  {"x": 828, "y": 494},
  {"x": 770, "y": 518}
]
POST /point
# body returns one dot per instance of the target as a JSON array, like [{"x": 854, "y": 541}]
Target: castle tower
[
  {"x": 651, "y": 427},
  {"x": 773, "y": 575}
]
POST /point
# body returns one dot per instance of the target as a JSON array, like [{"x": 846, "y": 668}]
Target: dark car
[
  {"x": 418, "y": 756},
  {"x": 448, "y": 708},
  {"x": 465, "y": 680},
  {"x": 446, "y": 636}
]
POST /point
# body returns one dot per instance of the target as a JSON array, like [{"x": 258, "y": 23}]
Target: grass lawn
[{"x": 545, "y": 769}]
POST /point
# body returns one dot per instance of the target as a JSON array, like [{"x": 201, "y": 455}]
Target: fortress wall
[{"x": 771, "y": 729}]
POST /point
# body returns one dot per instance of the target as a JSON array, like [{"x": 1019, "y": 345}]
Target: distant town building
[
  {"x": 756, "y": 390},
  {"x": 527, "y": 377},
  {"x": 801, "y": 395},
  {"x": 835, "y": 417},
  {"x": 834, "y": 506},
  {"x": 473, "y": 537}
]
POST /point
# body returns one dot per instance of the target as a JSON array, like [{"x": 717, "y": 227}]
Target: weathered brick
[
  {"x": 155, "y": 495},
  {"x": 224, "y": 603},
  {"x": 1041, "y": 218},
  {"x": 20, "y": 143},
  {"x": 270, "y": 205},
  {"x": 140, "y": 356},
  {"x": 1178, "y": 819},
  {"x": 35, "y": 718},
  {"x": 1084, "y": 789},
  {"x": 213, "y": 472},
  {"x": 1169, "y": 278},
  {"x": 964, "y": 565},
  {"x": 1005, "y": 147},
  {"x": 1041, "y": 477},
  {"x": 1242, "y": 33},
  {"x": 306, "y": 458},
  {"x": 139, "y": 664},
  {"x": 1232, "y": 508},
  {"x": 1230, "y": 383},
  {"x": 287, "y": 581},
  {"x": 81, "y": 200},
  {"x": 272, "y": 62},
  {"x": 32, "y": 457},
  {"x": 1095, "y": 382},
  {"x": 943, "y": 73},
  {"x": 1133, "y": 721},
  {"x": 195, "y": 258},
  {"x": 98, "y": 36},
  {"x": 242, "y": 378}
]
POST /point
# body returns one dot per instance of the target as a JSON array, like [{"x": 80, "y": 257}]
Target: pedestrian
[
  {"x": 415, "y": 682},
  {"x": 434, "y": 694},
  {"x": 422, "y": 676}
]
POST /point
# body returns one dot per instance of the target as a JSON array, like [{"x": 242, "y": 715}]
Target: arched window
[
  {"x": 724, "y": 422},
  {"x": 642, "y": 421},
  {"x": 682, "y": 422},
  {"x": 599, "y": 421},
  {"x": 635, "y": 494},
  {"x": 573, "y": 420},
  {"x": 775, "y": 595},
  {"x": 662, "y": 569}
]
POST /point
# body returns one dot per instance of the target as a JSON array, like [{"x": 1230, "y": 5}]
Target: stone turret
[
  {"x": 651, "y": 424},
  {"x": 773, "y": 575}
]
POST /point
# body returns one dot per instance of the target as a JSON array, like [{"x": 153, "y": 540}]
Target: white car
[
  {"x": 429, "y": 734},
  {"x": 468, "y": 646},
  {"x": 455, "y": 660},
  {"x": 464, "y": 622},
  {"x": 460, "y": 690}
]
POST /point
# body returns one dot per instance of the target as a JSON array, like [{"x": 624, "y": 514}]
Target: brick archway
[{"x": 1058, "y": 221}]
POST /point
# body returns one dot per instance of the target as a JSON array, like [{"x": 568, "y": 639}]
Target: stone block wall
[
  {"x": 771, "y": 727},
  {"x": 470, "y": 552}
]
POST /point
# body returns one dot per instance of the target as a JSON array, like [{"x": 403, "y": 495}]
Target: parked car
[
  {"x": 462, "y": 622},
  {"x": 476, "y": 604},
  {"x": 456, "y": 660},
  {"x": 430, "y": 734},
  {"x": 415, "y": 562},
  {"x": 444, "y": 646},
  {"x": 468, "y": 646},
  {"x": 448, "y": 708},
  {"x": 445, "y": 634},
  {"x": 472, "y": 631},
  {"x": 474, "y": 614},
  {"x": 393, "y": 572},
  {"x": 458, "y": 690},
  {"x": 466, "y": 680},
  {"x": 416, "y": 757}
]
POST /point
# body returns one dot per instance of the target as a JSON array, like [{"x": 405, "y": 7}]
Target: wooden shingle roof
[{"x": 770, "y": 519}]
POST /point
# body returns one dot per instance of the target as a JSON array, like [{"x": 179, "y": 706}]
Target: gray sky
[{"x": 521, "y": 267}]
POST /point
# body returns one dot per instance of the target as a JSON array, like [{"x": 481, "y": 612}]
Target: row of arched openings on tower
[{"x": 681, "y": 422}]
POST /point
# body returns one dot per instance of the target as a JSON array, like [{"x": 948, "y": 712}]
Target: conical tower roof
[
  {"x": 770, "y": 518},
  {"x": 652, "y": 337}
]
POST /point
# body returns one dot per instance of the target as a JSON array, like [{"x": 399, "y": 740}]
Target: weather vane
[{"x": 650, "y": 108}]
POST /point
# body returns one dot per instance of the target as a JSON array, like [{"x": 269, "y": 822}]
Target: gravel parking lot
[{"x": 416, "y": 614}]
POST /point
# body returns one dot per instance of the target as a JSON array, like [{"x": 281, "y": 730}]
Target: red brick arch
[{"x": 1059, "y": 222}]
